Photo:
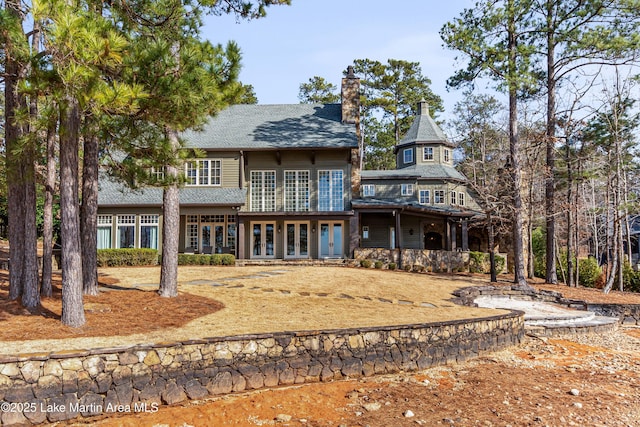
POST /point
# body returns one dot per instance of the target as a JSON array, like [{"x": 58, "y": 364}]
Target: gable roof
[
  {"x": 276, "y": 127},
  {"x": 423, "y": 129}
]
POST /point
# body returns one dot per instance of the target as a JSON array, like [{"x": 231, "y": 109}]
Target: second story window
[
  {"x": 447, "y": 155},
  {"x": 203, "y": 172},
  {"x": 425, "y": 197},
  {"x": 407, "y": 155},
  {"x": 453, "y": 198},
  {"x": 407, "y": 189},
  {"x": 461, "y": 199},
  {"x": 263, "y": 191},
  {"x": 296, "y": 190},
  {"x": 428, "y": 154},
  {"x": 438, "y": 197},
  {"x": 330, "y": 190},
  {"x": 368, "y": 190}
]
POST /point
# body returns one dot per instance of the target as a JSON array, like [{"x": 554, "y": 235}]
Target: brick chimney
[{"x": 350, "y": 94}]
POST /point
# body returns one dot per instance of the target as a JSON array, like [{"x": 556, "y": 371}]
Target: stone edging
[
  {"x": 36, "y": 388},
  {"x": 628, "y": 314}
]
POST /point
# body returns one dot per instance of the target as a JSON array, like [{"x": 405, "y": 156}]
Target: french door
[
  {"x": 296, "y": 239},
  {"x": 211, "y": 236},
  {"x": 263, "y": 244},
  {"x": 330, "y": 241}
]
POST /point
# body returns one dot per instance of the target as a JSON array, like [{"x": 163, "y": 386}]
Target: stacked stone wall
[{"x": 38, "y": 388}]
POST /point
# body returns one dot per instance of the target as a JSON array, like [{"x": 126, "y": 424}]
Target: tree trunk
[
  {"x": 520, "y": 280},
  {"x": 72, "y": 305},
  {"x": 15, "y": 188},
  {"x": 31, "y": 285},
  {"x": 570, "y": 219},
  {"x": 89, "y": 215},
  {"x": 492, "y": 254},
  {"x": 47, "y": 222},
  {"x": 551, "y": 274},
  {"x": 170, "y": 228}
]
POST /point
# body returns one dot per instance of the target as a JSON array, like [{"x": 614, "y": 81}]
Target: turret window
[
  {"x": 407, "y": 155},
  {"x": 447, "y": 155},
  {"x": 428, "y": 154}
]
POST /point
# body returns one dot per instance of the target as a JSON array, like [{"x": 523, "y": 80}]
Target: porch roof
[
  {"x": 412, "y": 207},
  {"x": 430, "y": 171},
  {"x": 112, "y": 193}
]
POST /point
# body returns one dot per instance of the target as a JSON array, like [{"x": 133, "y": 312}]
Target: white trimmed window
[
  {"x": 104, "y": 231},
  {"x": 438, "y": 197},
  {"x": 296, "y": 191},
  {"x": 149, "y": 231},
  {"x": 461, "y": 199},
  {"x": 427, "y": 154},
  {"x": 425, "y": 197},
  {"x": 447, "y": 155},
  {"x": 368, "y": 190},
  {"x": 407, "y": 155},
  {"x": 263, "y": 191},
  {"x": 157, "y": 174},
  {"x": 453, "y": 197},
  {"x": 191, "y": 235},
  {"x": 365, "y": 231},
  {"x": 126, "y": 231},
  {"x": 407, "y": 189},
  {"x": 330, "y": 190},
  {"x": 203, "y": 172}
]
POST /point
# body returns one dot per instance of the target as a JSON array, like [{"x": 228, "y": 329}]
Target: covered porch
[{"x": 407, "y": 226}]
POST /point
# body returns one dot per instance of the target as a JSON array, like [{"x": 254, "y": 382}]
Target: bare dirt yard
[{"x": 581, "y": 381}]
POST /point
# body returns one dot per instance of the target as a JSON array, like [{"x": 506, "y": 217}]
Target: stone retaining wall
[
  {"x": 629, "y": 314},
  {"x": 37, "y": 388}
]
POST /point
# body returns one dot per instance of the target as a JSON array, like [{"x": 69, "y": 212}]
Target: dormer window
[
  {"x": 407, "y": 155},
  {"x": 368, "y": 190},
  {"x": 427, "y": 154}
]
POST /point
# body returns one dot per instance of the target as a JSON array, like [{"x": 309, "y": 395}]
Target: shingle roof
[
  {"x": 297, "y": 126},
  {"x": 424, "y": 129},
  {"x": 112, "y": 193},
  {"x": 430, "y": 171},
  {"x": 414, "y": 206}
]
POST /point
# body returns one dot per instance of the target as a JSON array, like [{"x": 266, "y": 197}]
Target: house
[
  {"x": 284, "y": 182},
  {"x": 275, "y": 181},
  {"x": 422, "y": 204}
]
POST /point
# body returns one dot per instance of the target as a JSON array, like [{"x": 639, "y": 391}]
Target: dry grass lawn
[{"x": 262, "y": 299}]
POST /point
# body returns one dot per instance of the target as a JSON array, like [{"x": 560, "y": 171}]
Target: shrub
[
  {"x": 479, "y": 262},
  {"x": 476, "y": 262},
  {"x": 392, "y": 266},
  {"x": 127, "y": 257},
  {"x": 378, "y": 264},
  {"x": 223, "y": 259},
  {"x": 406, "y": 267},
  {"x": 589, "y": 271},
  {"x": 366, "y": 263}
]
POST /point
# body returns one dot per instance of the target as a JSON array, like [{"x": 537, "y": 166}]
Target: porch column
[
  {"x": 465, "y": 235},
  {"x": 354, "y": 234},
  {"x": 240, "y": 238},
  {"x": 398, "y": 230},
  {"x": 453, "y": 236},
  {"x": 447, "y": 237}
]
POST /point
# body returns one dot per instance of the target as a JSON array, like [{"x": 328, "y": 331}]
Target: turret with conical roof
[{"x": 424, "y": 142}]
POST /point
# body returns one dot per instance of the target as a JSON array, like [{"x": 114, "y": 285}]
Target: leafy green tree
[
  {"x": 318, "y": 91},
  {"x": 248, "y": 95},
  {"x": 493, "y": 36},
  {"x": 390, "y": 93}
]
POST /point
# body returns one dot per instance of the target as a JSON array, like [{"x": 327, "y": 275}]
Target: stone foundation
[{"x": 38, "y": 388}]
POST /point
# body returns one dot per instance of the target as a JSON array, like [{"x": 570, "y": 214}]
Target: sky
[{"x": 322, "y": 37}]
